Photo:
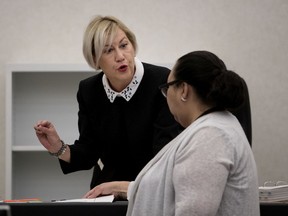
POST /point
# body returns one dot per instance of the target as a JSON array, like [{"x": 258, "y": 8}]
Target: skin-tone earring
[{"x": 183, "y": 99}]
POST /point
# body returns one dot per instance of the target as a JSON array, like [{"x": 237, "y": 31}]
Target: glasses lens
[
  {"x": 164, "y": 91},
  {"x": 164, "y": 87}
]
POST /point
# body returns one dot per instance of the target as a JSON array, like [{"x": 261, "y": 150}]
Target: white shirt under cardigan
[{"x": 209, "y": 169}]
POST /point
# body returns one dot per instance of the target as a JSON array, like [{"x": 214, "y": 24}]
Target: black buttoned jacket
[{"x": 124, "y": 135}]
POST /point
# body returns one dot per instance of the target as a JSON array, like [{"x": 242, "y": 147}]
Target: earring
[{"x": 183, "y": 99}]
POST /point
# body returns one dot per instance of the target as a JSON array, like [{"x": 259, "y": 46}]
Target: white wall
[{"x": 249, "y": 35}]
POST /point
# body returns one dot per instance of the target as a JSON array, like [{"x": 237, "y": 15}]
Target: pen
[{"x": 54, "y": 200}]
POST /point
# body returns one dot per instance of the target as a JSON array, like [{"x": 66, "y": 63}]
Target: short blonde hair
[{"x": 100, "y": 30}]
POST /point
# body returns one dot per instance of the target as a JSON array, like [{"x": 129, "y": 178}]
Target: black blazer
[{"x": 124, "y": 135}]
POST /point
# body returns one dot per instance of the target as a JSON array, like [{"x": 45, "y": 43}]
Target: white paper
[{"x": 108, "y": 198}]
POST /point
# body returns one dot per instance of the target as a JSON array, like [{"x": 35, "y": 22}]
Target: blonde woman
[{"x": 123, "y": 118}]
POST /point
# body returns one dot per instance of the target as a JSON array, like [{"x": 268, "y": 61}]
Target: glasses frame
[{"x": 164, "y": 87}]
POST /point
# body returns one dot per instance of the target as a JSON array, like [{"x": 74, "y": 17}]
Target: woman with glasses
[
  {"x": 123, "y": 118},
  {"x": 209, "y": 168}
]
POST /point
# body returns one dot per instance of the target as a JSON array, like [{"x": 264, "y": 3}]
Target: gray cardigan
[{"x": 209, "y": 169}]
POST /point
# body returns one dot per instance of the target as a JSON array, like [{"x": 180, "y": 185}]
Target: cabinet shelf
[{"x": 28, "y": 148}]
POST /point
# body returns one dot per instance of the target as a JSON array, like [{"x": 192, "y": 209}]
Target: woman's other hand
[{"x": 116, "y": 188}]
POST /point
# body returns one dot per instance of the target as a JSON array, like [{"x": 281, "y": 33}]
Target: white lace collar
[{"x": 130, "y": 90}]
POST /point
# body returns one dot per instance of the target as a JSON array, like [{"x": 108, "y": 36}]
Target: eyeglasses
[{"x": 164, "y": 87}]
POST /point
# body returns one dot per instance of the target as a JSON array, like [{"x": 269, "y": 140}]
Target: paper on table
[{"x": 108, "y": 198}]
